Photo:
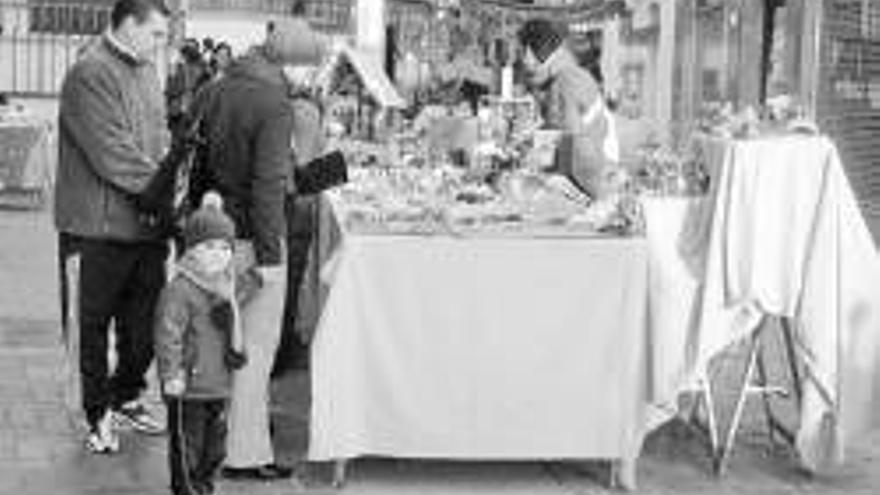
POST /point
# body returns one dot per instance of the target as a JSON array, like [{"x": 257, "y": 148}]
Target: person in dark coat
[
  {"x": 184, "y": 82},
  {"x": 221, "y": 57},
  {"x": 248, "y": 123}
]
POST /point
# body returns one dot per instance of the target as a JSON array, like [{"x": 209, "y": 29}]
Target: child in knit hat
[{"x": 198, "y": 344}]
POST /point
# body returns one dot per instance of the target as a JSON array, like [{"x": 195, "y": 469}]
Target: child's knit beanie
[{"x": 208, "y": 222}]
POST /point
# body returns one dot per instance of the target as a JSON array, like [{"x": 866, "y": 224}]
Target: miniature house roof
[{"x": 369, "y": 73}]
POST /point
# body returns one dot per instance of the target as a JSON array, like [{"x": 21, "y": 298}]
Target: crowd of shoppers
[
  {"x": 197, "y": 65},
  {"x": 215, "y": 342},
  {"x": 224, "y": 323}
]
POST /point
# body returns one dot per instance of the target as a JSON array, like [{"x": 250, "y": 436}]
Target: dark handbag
[
  {"x": 322, "y": 173},
  {"x": 166, "y": 195}
]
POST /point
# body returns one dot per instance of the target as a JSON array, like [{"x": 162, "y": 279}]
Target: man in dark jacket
[
  {"x": 248, "y": 123},
  {"x": 112, "y": 135}
]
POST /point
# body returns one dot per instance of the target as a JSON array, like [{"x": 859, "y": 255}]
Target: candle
[{"x": 507, "y": 82}]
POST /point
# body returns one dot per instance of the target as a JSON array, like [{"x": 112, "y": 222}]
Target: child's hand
[
  {"x": 235, "y": 360},
  {"x": 174, "y": 387}
]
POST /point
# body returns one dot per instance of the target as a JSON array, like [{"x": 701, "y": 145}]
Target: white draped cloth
[
  {"x": 26, "y": 160},
  {"x": 780, "y": 234},
  {"x": 482, "y": 348}
]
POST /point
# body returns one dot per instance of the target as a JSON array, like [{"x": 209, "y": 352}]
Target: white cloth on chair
[
  {"x": 788, "y": 240},
  {"x": 838, "y": 322},
  {"x": 768, "y": 238}
]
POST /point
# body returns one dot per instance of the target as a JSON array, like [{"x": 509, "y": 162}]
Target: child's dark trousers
[{"x": 197, "y": 443}]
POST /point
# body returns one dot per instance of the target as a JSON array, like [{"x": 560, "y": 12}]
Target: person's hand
[
  {"x": 235, "y": 360},
  {"x": 174, "y": 387}
]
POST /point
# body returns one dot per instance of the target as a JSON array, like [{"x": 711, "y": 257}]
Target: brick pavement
[{"x": 40, "y": 451}]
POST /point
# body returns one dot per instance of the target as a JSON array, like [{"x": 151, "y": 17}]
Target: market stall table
[
  {"x": 480, "y": 348},
  {"x": 417, "y": 347}
]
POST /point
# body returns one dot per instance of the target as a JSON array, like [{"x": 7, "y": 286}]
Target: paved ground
[
  {"x": 40, "y": 445},
  {"x": 40, "y": 449}
]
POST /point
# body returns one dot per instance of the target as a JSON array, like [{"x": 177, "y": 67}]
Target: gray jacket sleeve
[
  {"x": 92, "y": 113},
  {"x": 172, "y": 319}
]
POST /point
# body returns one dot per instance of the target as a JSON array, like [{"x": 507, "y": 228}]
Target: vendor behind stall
[{"x": 572, "y": 101}]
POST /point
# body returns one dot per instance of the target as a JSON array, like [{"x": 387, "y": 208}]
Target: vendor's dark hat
[{"x": 542, "y": 36}]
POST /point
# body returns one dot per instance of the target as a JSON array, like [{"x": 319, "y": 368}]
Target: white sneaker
[
  {"x": 111, "y": 439},
  {"x": 103, "y": 439},
  {"x": 95, "y": 443},
  {"x": 135, "y": 416}
]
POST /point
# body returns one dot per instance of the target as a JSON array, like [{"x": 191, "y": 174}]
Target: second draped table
[{"x": 779, "y": 235}]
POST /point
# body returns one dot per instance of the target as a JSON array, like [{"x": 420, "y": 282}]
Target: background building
[
  {"x": 241, "y": 23},
  {"x": 660, "y": 60},
  {"x": 39, "y": 39},
  {"x": 841, "y": 82}
]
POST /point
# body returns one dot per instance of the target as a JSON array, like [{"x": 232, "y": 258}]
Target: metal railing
[
  {"x": 327, "y": 15},
  {"x": 263, "y": 6},
  {"x": 40, "y": 40}
]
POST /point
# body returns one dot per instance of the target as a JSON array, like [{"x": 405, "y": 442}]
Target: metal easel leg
[
  {"x": 704, "y": 401},
  {"x": 709, "y": 403},
  {"x": 788, "y": 336},
  {"x": 339, "y": 468},
  {"x": 754, "y": 380},
  {"x": 744, "y": 390},
  {"x": 622, "y": 475},
  {"x": 768, "y": 409},
  {"x": 774, "y": 424}
]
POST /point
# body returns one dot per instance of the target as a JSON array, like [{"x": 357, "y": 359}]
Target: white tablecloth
[
  {"x": 780, "y": 234},
  {"x": 677, "y": 231},
  {"x": 25, "y": 155},
  {"x": 437, "y": 347}
]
